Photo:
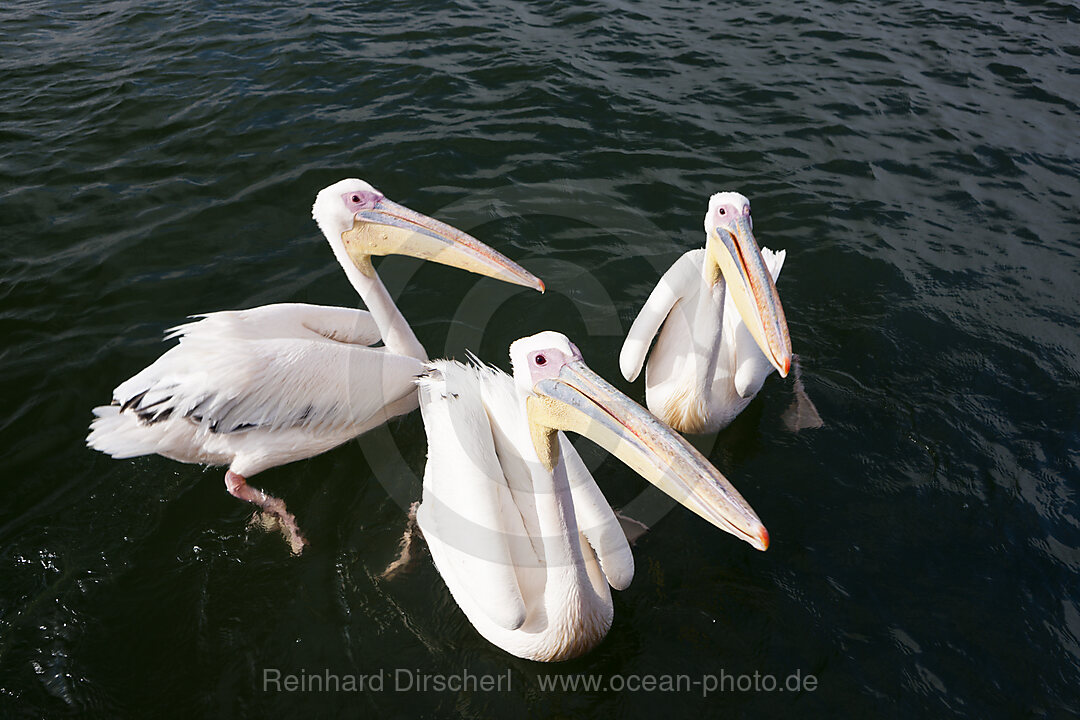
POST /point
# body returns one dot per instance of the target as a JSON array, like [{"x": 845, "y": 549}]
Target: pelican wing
[
  {"x": 597, "y": 521},
  {"x": 273, "y": 367},
  {"x": 475, "y": 544},
  {"x": 674, "y": 285},
  {"x": 284, "y": 320}
]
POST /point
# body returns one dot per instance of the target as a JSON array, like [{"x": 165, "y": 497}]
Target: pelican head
[
  {"x": 562, "y": 393},
  {"x": 731, "y": 245},
  {"x": 367, "y": 223}
]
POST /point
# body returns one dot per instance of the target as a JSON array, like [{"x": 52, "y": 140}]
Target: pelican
[
  {"x": 722, "y": 328},
  {"x": 516, "y": 526},
  {"x": 253, "y": 389}
]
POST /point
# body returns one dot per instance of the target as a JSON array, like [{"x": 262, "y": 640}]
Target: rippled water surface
[{"x": 918, "y": 160}]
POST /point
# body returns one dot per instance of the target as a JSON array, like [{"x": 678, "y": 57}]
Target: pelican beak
[
  {"x": 392, "y": 229},
  {"x": 753, "y": 290},
  {"x": 579, "y": 400}
]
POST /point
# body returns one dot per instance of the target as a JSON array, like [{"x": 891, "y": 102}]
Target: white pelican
[
  {"x": 723, "y": 328},
  {"x": 518, "y": 529},
  {"x": 253, "y": 389}
]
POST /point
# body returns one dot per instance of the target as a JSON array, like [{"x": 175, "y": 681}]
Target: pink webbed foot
[{"x": 237, "y": 486}]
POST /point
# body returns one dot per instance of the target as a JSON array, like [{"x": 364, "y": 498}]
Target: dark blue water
[{"x": 917, "y": 160}]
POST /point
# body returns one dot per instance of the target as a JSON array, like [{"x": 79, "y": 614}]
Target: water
[{"x": 918, "y": 161}]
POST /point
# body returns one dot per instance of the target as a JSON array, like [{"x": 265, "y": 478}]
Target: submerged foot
[
  {"x": 408, "y": 544},
  {"x": 271, "y": 508},
  {"x": 632, "y": 528},
  {"x": 801, "y": 414}
]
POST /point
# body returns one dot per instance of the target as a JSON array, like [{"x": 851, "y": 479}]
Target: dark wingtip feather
[{"x": 133, "y": 401}]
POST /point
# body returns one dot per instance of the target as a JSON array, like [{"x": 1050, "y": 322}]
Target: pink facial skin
[
  {"x": 361, "y": 200},
  {"x": 728, "y": 211},
  {"x": 546, "y": 364}
]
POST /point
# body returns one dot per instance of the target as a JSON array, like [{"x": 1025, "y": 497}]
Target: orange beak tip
[
  {"x": 540, "y": 286},
  {"x": 763, "y": 536}
]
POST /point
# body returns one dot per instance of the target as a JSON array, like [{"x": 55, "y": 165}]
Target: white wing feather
[
  {"x": 273, "y": 367},
  {"x": 284, "y": 320},
  {"x": 597, "y": 521},
  {"x": 674, "y": 285},
  {"x": 465, "y": 491}
]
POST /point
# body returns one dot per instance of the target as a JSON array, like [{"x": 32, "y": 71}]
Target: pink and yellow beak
[
  {"x": 734, "y": 248},
  {"x": 391, "y": 229},
  {"x": 579, "y": 400}
]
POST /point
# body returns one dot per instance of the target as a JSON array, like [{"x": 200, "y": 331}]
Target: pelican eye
[
  {"x": 723, "y": 211},
  {"x": 356, "y": 198},
  {"x": 541, "y": 360}
]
